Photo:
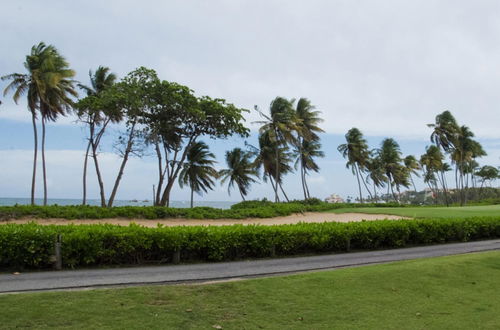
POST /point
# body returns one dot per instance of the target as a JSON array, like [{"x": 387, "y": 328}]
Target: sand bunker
[{"x": 291, "y": 219}]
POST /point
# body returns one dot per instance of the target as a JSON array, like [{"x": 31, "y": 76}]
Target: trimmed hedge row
[
  {"x": 251, "y": 209},
  {"x": 32, "y": 246}
]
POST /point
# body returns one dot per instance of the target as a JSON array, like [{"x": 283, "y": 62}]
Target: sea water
[{"x": 97, "y": 202}]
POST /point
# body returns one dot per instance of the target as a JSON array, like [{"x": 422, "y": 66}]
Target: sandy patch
[{"x": 291, "y": 219}]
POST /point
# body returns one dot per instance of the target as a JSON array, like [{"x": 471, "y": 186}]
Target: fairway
[
  {"x": 429, "y": 212},
  {"x": 449, "y": 292}
]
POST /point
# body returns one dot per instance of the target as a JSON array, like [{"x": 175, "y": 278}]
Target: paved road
[{"x": 77, "y": 279}]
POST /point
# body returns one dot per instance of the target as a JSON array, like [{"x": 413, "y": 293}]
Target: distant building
[{"x": 334, "y": 198}]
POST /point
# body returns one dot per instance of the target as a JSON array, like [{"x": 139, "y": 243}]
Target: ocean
[{"x": 97, "y": 202}]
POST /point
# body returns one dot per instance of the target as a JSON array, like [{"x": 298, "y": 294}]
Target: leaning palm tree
[
  {"x": 413, "y": 167},
  {"x": 279, "y": 127},
  {"x": 198, "y": 172},
  {"x": 355, "y": 150},
  {"x": 305, "y": 155},
  {"x": 48, "y": 87},
  {"x": 390, "y": 155},
  {"x": 240, "y": 172},
  {"x": 307, "y": 146},
  {"x": 97, "y": 120},
  {"x": 376, "y": 174},
  {"x": 274, "y": 159}
]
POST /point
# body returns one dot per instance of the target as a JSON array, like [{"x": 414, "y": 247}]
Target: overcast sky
[{"x": 386, "y": 67}]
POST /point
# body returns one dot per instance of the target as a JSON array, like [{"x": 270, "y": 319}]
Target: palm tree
[
  {"x": 305, "y": 154},
  {"x": 464, "y": 152},
  {"x": 376, "y": 173},
  {"x": 266, "y": 156},
  {"x": 48, "y": 87},
  {"x": 390, "y": 156},
  {"x": 97, "y": 121},
  {"x": 198, "y": 172},
  {"x": 279, "y": 127},
  {"x": 434, "y": 168},
  {"x": 241, "y": 171},
  {"x": 444, "y": 132},
  {"x": 357, "y": 154},
  {"x": 413, "y": 167},
  {"x": 307, "y": 145}
]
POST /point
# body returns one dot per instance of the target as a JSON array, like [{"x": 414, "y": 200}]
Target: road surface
[{"x": 206, "y": 272}]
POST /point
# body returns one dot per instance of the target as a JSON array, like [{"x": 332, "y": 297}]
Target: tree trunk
[
  {"x": 85, "y": 162},
  {"x": 276, "y": 172},
  {"x": 174, "y": 172},
  {"x": 284, "y": 194},
  {"x": 192, "y": 195},
  {"x": 359, "y": 183},
  {"x": 126, "y": 154},
  {"x": 99, "y": 176},
  {"x": 161, "y": 175},
  {"x": 44, "y": 168},
  {"x": 443, "y": 182},
  {"x": 275, "y": 188},
  {"x": 35, "y": 155},
  {"x": 302, "y": 177}
]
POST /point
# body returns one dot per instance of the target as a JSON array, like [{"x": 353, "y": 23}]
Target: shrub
[{"x": 31, "y": 245}]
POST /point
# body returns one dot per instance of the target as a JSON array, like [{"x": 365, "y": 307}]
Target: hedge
[
  {"x": 32, "y": 246},
  {"x": 250, "y": 209}
]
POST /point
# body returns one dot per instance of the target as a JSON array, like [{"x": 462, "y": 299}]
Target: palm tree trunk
[
  {"x": 367, "y": 189},
  {"x": 277, "y": 172},
  {"x": 44, "y": 168},
  {"x": 445, "y": 191},
  {"x": 413, "y": 183},
  {"x": 275, "y": 188},
  {"x": 302, "y": 177},
  {"x": 307, "y": 187},
  {"x": 85, "y": 162},
  {"x": 359, "y": 183},
  {"x": 35, "y": 155},
  {"x": 283, "y": 191},
  {"x": 192, "y": 195}
]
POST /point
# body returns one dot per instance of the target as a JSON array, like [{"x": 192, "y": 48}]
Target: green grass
[
  {"x": 455, "y": 292},
  {"x": 429, "y": 212}
]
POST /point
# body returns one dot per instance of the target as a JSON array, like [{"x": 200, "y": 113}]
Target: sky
[{"x": 386, "y": 67}]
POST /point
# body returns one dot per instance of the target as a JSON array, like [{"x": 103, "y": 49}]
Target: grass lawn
[
  {"x": 458, "y": 292},
  {"x": 426, "y": 212}
]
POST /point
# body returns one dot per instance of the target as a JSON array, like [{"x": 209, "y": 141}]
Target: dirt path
[{"x": 291, "y": 219}]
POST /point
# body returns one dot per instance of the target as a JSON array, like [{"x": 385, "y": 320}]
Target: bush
[{"x": 31, "y": 245}]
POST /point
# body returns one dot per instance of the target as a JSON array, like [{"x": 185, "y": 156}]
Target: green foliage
[{"x": 31, "y": 245}]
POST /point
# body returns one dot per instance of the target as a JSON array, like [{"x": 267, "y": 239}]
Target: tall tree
[
  {"x": 390, "y": 156},
  {"x": 279, "y": 127},
  {"x": 198, "y": 172},
  {"x": 487, "y": 173},
  {"x": 355, "y": 150},
  {"x": 413, "y": 166},
  {"x": 307, "y": 146},
  {"x": 305, "y": 155},
  {"x": 240, "y": 172},
  {"x": 49, "y": 88},
  {"x": 97, "y": 120},
  {"x": 265, "y": 159},
  {"x": 435, "y": 168},
  {"x": 174, "y": 121},
  {"x": 376, "y": 173}
]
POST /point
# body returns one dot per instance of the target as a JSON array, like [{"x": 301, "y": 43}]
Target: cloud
[{"x": 387, "y": 67}]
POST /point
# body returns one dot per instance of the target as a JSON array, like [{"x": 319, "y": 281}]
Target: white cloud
[{"x": 387, "y": 67}]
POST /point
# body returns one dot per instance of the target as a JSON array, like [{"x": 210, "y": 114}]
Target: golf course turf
[
  {"x": 457, "y": 292},
  {"x": 429, "y": 212}
]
